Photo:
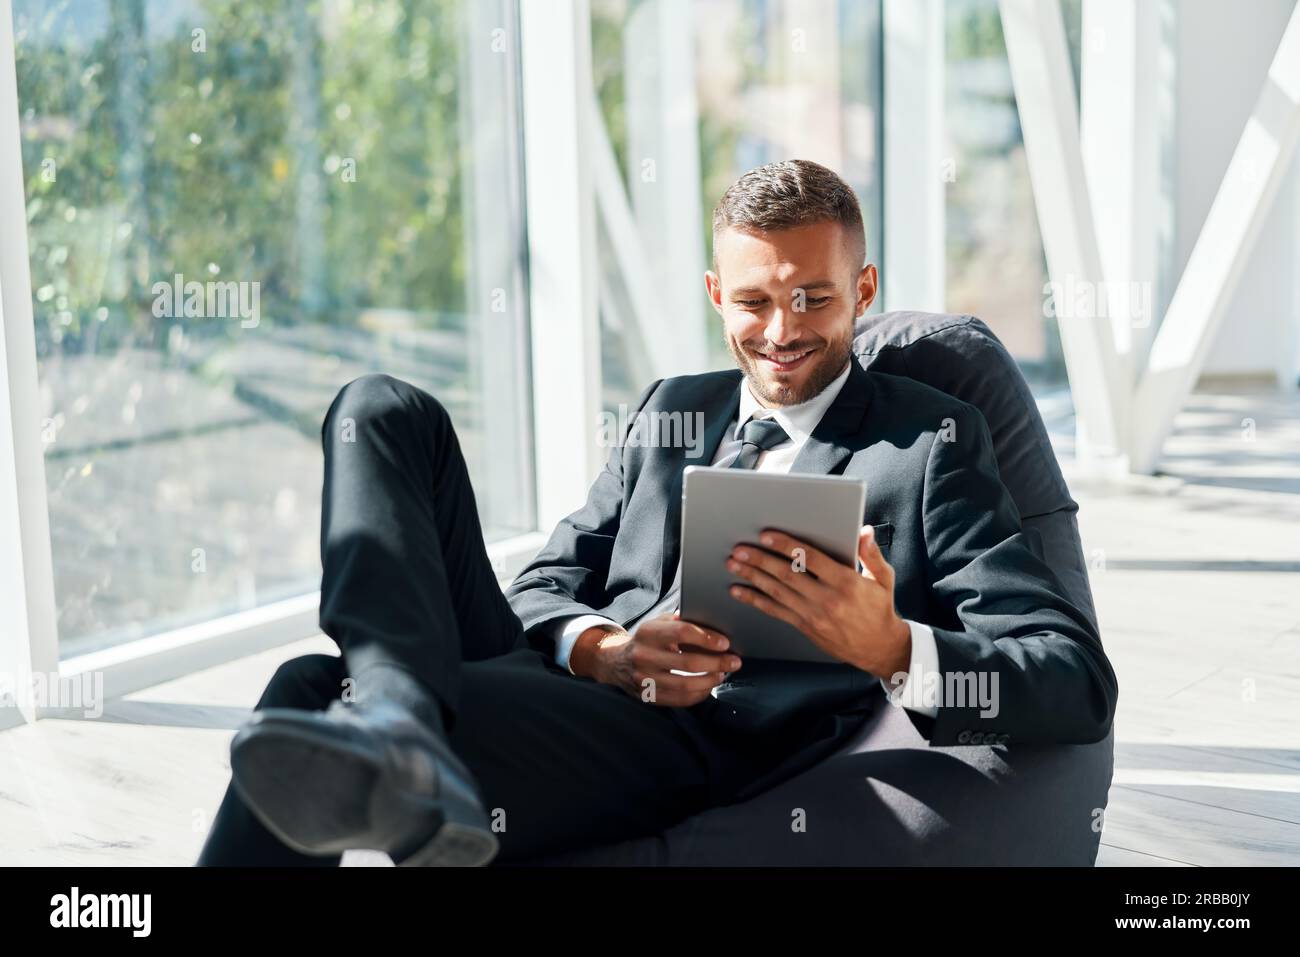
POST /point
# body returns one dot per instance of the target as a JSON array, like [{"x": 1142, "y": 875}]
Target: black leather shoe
[{"x": 360, "y": 776}]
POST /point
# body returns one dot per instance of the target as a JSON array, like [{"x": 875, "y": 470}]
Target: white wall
[{"x": 1224, "y": 51}]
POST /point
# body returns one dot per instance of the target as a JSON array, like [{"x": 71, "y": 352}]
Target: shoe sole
[{"x": 275, "y": 759}]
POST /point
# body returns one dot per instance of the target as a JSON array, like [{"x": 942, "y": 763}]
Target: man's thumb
[{"x": 869, "y": 553}]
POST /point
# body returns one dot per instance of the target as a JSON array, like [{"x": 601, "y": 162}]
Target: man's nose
[{"x": 783, "y": 327}]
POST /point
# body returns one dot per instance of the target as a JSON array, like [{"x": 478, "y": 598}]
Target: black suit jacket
[{"x": 945, "y": 522}]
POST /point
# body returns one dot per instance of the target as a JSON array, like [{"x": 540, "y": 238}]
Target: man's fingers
[
  {"x": 655, "y": 659},
  {"x": 873, "y": 561},
  {"x": 752, "y": 596},
  {"x": 665, "y": 632},
  {"x": 703, "y": 637},
  {"x": 769, "y": 574},
  {"x": 800, "y": 554},
  {"x": 674, "y": 691}
]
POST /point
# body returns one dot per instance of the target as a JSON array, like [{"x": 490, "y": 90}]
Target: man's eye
[
  {"x": 749, "y": 302},
  {"x": 819, "y": 300}
]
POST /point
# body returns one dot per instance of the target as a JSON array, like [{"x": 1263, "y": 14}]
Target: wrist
[
  {"x": 584, "y": 656},
  {"x": 903, "y": 661},
  {"x": 900, "y": 660}
]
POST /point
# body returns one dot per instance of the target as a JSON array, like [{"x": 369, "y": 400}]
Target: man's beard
[{"x": 829, "y": 364}]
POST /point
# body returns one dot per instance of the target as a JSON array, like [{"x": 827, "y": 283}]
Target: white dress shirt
[{"x": 798, "y": 422}]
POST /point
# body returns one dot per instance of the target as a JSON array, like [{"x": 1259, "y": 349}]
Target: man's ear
[
  {"x": 867, "y": 286},
  {"x": 713, "y": 284}
]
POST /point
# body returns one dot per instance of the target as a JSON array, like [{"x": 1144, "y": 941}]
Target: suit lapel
[{"x": 831, "y": 441}]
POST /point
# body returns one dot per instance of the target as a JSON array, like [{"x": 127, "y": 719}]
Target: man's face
[{"x": 788, "y": 300}]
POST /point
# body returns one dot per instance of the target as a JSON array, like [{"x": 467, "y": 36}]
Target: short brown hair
[{"x": 789, "y": 194}]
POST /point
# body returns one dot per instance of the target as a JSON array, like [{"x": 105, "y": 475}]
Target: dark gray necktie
[{"x": 757, "y": 436}]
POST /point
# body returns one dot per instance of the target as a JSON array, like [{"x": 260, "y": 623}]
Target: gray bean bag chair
[{"x": 887, "y": 797}]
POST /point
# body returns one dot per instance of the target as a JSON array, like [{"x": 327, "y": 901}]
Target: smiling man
[
  {"x": 578, "y": 709},
  {"x": 789, "y": 291}
]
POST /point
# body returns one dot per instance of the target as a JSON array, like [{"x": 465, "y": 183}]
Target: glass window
[
  {"x": 774, "y": 80},
  {"x": 995, "y": 263},
  {"x": 234, "y": 209}
]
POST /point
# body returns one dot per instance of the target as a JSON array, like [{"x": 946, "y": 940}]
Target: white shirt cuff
[
  {"x": 567, "y": 631},
  {"x": 925, "y": 660}
]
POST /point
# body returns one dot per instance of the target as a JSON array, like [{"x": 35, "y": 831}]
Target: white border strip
[{"x": 28, "y": 620}]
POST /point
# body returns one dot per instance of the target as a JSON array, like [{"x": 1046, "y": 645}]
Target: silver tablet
[{"x": 722, "y": 508}]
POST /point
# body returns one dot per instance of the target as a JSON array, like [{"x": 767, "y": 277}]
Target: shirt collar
[{"x": 797, "y": 420}]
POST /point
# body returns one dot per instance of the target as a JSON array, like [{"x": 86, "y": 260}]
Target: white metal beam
[
  {"x": 917, "y": 168},
  {"x": 555, "y": 45},
  {"x": 28, "y": 622},
  {"x": 494, "y": 238},
  {"x": 1044, "y": 86},
  {"x": 1124, "y": 72},
  {"x": 1259, "y": 164}
]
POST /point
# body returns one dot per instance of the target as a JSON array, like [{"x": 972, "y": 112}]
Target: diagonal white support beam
[
  {"x": 1223, "y": 248},
  {"x": 1044, "y": 86},
  {"x": 629, "y": 256},
  {"x": 617, "y": 310}
]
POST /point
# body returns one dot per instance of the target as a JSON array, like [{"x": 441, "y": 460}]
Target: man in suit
[{"x": 578, "y": 708}]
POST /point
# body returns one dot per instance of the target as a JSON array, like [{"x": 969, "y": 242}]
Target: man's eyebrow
[{"x": 806, "y": 287}]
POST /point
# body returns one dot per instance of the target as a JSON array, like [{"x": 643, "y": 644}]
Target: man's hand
[
  {"x": 642, "y": 664},
  {"x": 848, "y": 615}
]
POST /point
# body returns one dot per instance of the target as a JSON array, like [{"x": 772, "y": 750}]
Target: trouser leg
[
  {"x": 566, "y": 763},
  {"x": 563, "y": 763},
  {"x": 406, "y": 577}
]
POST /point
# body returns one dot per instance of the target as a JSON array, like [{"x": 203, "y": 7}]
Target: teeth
[{"x": 785, "y": 357}]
